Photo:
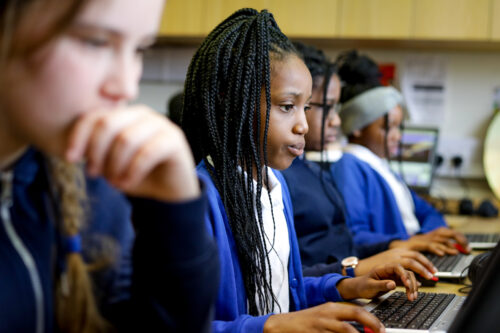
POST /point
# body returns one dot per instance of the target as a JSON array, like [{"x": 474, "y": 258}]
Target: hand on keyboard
[
  {"x": 328, "y": 317},
  {"x": 411, "y": 260},
  {"x": 380, "y": 280}
]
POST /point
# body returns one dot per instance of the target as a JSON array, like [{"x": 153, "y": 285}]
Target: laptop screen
[{"x": 417, "y": 157}]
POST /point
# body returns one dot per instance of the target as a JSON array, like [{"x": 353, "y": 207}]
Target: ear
[{"x": 356, "y": 133}]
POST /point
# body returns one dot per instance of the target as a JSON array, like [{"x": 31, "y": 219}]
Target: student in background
[
  {"x": 70, "y": 148},
  {"x": 319, "y": 212},
  {"x": 246, "y": 94},
  {"x": 174, "y": 108},
  {"x": 379, "y": 205}
]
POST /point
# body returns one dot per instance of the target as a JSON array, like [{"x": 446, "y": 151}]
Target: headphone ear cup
[
  {"x": 487, "y": 209},
  {"x": 465, "y": 207},
  {"x": 477, "y": 266}
]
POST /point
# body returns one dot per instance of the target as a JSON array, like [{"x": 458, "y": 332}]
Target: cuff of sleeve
[{"x": 331, "y": 292}]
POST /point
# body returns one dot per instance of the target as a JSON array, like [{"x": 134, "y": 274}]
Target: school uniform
[
  {"x": 372, "y": 209},
  {"x": 165, "y": 277},
  {"x": 320, "y": 220},
  {"x": 231, "y": 314}
]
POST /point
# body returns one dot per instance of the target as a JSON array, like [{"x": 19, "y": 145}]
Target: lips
[{"x": 296, "y": 149}]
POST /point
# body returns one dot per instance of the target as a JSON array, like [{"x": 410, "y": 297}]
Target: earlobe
[{"x": 356, "y": 133}]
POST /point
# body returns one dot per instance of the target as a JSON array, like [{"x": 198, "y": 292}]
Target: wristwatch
[{"x": 349, "y": 264}]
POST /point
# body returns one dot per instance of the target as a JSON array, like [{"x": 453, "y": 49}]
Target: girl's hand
[
  {"x": 409, "y": 259},
  {"x": 137, "y": 150},
  {"x": 440, "y": 241},
  {"x": 328, "y": 317},
  {"x": 380, "y": 280}
]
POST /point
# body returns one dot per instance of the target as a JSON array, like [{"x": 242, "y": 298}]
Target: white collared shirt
[
  {"x": 401, "y": 192},
  {"x": 277, "y": 242}
]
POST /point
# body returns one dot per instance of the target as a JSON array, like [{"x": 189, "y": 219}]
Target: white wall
[
  {"x": 471, "y": 79},
  {"x": 470, "y": 83}
]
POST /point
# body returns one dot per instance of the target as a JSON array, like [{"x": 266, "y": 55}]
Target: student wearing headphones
[
  {"x": 326, "y": 243},
  {"x": 379, "y": 205}
]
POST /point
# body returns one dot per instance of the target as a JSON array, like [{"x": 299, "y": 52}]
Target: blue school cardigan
[
  {"x": 320, "y": 220},
  {"x": 165, "y": 276},
  {"x": 373, "y": 214},
  {"x": 231, "y": 313}
]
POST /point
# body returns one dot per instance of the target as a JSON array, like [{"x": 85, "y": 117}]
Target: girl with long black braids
[
  {"x": 319, "y": 213},
  {"x": 380, "y": 207},
  {"x": 246, "y": 95}
]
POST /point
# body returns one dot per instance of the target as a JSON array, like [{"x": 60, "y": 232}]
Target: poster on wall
[{"x": 423, "y": 84}]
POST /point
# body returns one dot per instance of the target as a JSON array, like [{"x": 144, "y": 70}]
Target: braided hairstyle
[
  {"x": 227, "y": 77},
  {"x": 358, "y": 73},
  {"x": 320, "y": 67},
  {"x": 75, "y": 305}
]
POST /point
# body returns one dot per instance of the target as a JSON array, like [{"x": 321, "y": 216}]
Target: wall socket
[{"x": 469, "y": 149}]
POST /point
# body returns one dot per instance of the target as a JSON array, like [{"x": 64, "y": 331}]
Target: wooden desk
[{"x": 473, "y": 223}]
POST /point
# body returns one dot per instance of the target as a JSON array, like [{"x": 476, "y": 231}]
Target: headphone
[{"x": 478, "y": 265}]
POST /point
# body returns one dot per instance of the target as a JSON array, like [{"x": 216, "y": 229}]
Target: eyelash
[
  {"x": 102, "y": 43},
  {"x": 95, "y": 42},
  {"x": 286, "y": 107}
]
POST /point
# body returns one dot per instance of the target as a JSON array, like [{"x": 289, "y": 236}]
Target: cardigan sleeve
[
  {"x": 428, "y": 217},
  {"x": 242, "y": 324},
  {"x": 323, "y": 289},
  {"x": 322, "y": 269},
  {"x": 176, "y": 267}
]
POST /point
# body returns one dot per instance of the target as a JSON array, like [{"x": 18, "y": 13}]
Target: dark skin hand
[
  {"x": 328, "y": 317},
  {"x": 379, "y": 281},
  {"x": 411, "y": 260},
  {"x": 332, "y": 317},
  {"x": 440, "y": 241}
]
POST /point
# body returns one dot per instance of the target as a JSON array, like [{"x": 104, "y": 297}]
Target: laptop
[
  {"x": 430, "y": 312},
  {"x": 415, "y": 164},
  {"x": 479, "y": 241},
  {"x": 451, "y": 267},
  {"x": 480, "y": 311},
  {"x": 440, "y": 312}
]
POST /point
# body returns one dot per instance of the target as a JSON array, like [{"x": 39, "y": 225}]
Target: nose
[
  {"x": 333, "y": 121},
  {"x": 395, "y": 134},
  {"x": 301, "y": 127},
  {"x": 122, "y": 80}
]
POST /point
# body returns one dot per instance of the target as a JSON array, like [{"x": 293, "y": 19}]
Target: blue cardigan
[
  {"x": 231, "y": 313},
  {"x": 320, "y": 220},
  {"x": 164, "y": 277},
  {"x": 373, "y": 214}
]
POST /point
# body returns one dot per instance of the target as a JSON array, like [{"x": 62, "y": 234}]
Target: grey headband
[{"x": 367, "y": 107}]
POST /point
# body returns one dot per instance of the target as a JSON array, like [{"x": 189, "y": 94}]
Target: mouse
[
  {"x": 427, "y": 283},
  {"x": 461, "y": 249}
]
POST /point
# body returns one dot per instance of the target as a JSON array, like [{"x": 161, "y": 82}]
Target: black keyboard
[
  {"x": 483, "y": 238},
  {"x": 444, "y": 263},
  {"x": 398, "y": 312}
]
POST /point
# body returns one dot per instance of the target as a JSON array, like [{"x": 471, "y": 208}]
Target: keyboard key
[{"x": 398, "y": 312}]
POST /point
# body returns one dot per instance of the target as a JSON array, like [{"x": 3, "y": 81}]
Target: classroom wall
[{"x": 470, "y": 82}]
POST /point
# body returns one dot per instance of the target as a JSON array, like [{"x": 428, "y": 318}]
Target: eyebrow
[{"x": 147, "y": 39}]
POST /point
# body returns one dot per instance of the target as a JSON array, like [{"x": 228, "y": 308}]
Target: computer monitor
[{"x": 416, "y": 164}]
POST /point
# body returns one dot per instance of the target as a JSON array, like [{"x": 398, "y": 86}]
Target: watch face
[{"x": 350, "y": 261}]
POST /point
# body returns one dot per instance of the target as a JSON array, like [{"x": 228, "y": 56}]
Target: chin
[{"x": 282, "y": 164}]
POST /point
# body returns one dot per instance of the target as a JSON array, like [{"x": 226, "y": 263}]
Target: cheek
[{"x": 59, "y": 91}]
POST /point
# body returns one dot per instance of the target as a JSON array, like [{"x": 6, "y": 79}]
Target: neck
[
  {"x": 10, "y": 148},
  {"x": 6, "y": 161}
]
